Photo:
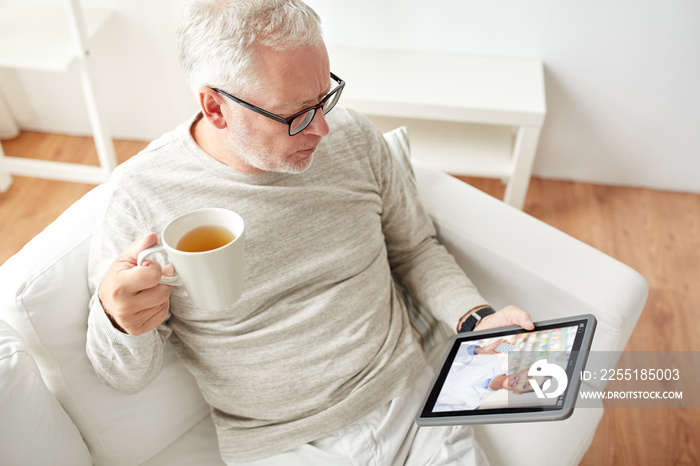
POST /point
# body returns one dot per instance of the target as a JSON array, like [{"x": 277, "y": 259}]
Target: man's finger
[
  {"x": 131, "y": 253},
  {"x": 133, "y": 278},
  {"x": 151, "y": 297},
  {"x": 527, "y": 324},
  {"x": 146, "y": 319},
  {"x": 137, "y": 279},
  {"x": 156, "y": 318},
  {"x": 524, "y": 320},
  {"x": 168, "y": 270}
]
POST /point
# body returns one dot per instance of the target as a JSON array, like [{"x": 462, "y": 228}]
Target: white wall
[{"x": 622, "y": 75}]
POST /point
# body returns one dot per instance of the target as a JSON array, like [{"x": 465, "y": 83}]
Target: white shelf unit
[
  {"x": 51, "y": 37},
  {"x": 467, "y": 115}
]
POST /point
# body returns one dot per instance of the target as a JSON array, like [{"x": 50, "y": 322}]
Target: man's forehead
[
  {"x": 288, "y": 99},
  {"x": 290, "y": 80}
]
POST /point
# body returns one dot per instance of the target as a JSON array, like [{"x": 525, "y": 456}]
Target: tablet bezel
[{"x": 580, "y": 352}]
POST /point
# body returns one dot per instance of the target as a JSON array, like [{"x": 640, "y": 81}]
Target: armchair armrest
[{"x": 514, "y": 258}]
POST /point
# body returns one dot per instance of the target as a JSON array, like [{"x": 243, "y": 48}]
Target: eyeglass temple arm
[{"x": 250, "y": 106}]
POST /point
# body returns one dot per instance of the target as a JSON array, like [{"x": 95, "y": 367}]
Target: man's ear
[{"x": 212, "y": 105}]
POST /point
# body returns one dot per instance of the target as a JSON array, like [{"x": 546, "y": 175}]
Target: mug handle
[{"x": 172, "y": 281}]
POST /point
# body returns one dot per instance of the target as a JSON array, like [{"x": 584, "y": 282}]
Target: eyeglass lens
[{"x": 302, "y": 121}]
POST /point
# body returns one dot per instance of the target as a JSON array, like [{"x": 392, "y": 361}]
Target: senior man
[{"x": 316, "y": 362}]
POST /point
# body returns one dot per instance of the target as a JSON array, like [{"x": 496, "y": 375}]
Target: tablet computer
[{"x": 510, "y": 374}]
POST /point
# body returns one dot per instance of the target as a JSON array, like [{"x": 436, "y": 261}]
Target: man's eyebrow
[{"x": 309, "y": 102}]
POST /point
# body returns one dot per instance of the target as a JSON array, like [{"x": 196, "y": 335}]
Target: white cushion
[
  {"x": 400, "y": 147},
  {"x": 45, "y": 297},
  {"x": 34, "y": 428},
  {"x": 199, "y": 446}
]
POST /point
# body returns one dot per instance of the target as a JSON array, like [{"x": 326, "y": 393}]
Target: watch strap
[{"x": 474, "y": 318}]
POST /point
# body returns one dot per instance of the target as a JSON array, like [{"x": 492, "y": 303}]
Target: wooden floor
[{"x": 657, "y": 233}]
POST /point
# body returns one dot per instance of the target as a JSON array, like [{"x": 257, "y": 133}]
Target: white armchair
[{"x": 62, "y": 414}]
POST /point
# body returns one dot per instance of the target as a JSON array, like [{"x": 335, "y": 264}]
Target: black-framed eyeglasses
[{"x": 300, "y": 120}]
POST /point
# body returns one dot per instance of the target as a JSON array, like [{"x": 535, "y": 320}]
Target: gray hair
[{"x": 216, "y": 39}]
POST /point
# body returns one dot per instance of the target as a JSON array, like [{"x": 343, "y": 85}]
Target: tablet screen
[{"x": 510, "y": 371}]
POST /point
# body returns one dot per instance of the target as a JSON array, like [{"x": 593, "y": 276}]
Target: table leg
[
  {"x": 5, "y": 178},
  {"x": 521, "y": 169}
]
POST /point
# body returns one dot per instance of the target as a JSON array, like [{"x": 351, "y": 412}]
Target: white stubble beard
[{"x": 243, "y": 145}]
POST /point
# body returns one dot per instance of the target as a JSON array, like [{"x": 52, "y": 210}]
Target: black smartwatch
[{"x": 474, "y": 318}]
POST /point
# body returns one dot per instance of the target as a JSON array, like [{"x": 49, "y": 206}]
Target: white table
[{"x": 467, "y": 115}]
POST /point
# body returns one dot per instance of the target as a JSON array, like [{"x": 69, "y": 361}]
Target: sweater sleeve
[
  {"x": 418, "y": 260},
  {"x": 124, "y": 362}
]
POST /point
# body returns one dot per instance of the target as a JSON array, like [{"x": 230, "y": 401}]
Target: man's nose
[{"x": 318, "y": 126}]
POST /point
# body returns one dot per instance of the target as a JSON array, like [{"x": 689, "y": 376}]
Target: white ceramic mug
[{"x": 213, "y": 279}]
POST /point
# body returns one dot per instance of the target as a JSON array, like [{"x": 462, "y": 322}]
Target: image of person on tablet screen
[
  {"x": 477, "y": 373},
  {"x": 319, "y": 349}
]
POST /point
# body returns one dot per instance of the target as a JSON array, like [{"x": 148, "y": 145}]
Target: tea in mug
[{"x": 205, "y": 238}]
